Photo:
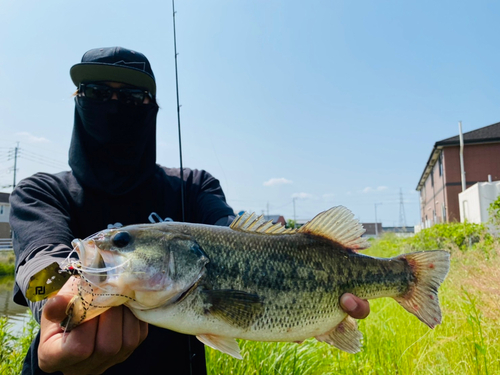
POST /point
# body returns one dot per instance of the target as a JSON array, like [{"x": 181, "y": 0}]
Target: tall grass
[
  {"x": 7, "y": 263},
  {"x": 13, "y": 348},
  {"x": 396, "y": 342}
]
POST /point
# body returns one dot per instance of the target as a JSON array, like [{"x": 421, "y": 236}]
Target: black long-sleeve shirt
[{"x": 49, "y": 211}]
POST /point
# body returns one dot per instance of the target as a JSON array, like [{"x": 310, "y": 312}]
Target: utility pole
[
  {"x": 402, "y": 216},
  {"x": 376, "y": 224},
  {"x": 294, "y": 216},
  {"x": 462, "y": 171},
  {"x": 16, "y": 151},
  {"x": 268, "y": 209},
  {"x": 15, "y": 165}
]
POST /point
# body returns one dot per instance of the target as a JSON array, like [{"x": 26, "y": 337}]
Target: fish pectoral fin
[
  {"x": 234, "y": 306},
  {"x": 345, "y": 336},
  {"x": 227, "y": 345}
]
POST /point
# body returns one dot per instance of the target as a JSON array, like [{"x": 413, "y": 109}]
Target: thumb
[{"x": 55, "y": 308}]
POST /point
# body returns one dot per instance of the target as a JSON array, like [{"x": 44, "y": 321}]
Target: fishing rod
[
  {"x": 189, "y": 338},
  {"x": 178, "y": 114}
]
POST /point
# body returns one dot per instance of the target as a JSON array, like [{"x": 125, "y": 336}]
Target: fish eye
[{"x": 121, "y": 239}]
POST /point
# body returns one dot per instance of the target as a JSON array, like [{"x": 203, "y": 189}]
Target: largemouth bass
[{"x": 252, "y": 280}]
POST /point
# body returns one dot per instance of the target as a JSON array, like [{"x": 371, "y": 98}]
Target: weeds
[
  {"x": 13, "y": 348},
  {"x": 395, "y": 342}
]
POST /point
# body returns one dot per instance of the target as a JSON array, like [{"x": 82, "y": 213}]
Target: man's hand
[
  {"x": 356, "y": 307},
  {"x": 91, "y": 347}
]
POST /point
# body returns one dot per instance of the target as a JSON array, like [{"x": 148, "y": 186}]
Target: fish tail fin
[{"x": 429, "y": 269}]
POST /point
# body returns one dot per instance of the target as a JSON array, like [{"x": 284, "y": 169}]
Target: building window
[
  {"x": 432, "y": 178},
  {"x": 440, "y": 164},
  {"x": 1, "y": 210}
]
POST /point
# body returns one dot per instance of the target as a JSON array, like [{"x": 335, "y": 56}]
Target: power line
[
  {"x": 42, "y": 161},
  {"x": 23, "y": 150}
]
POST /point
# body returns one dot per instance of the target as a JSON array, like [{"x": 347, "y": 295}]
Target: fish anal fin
[
  {"x": 337, "y": 224},
  {"x": 345, "y": 336},
  {"x": 233, "y": 306},
  {"x": 227, "y": 345}
]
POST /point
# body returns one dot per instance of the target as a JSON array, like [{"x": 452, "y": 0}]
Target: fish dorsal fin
[
  {"x": 250, "y": 222},
  {"x": 337, "y": 224}
]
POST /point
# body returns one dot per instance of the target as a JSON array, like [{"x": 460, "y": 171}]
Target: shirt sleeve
[
  {"x": 37, "y": 261},
  {"x": 211, "y": 204},
  {"x": 39, "y": 218}
]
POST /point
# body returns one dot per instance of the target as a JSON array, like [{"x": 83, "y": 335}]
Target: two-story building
[{"x": 441, "y": 180}]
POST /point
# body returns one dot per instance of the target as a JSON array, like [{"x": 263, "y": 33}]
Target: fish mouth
[
  {"x": 88, "y": 253},
  {"x": 92, "y": 264}
]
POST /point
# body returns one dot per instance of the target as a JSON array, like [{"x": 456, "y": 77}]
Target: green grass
[
  {"x": 396, "y": 342},
  {"x": 7, "y": 263},
  {"x": 13, "y": 348}
]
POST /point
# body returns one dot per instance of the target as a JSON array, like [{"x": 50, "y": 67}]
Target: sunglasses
[{"x": 101, "y": 93}]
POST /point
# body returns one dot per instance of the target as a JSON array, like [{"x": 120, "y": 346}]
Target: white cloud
[
  {"x": 302, "y": 195},
  {"x": 32, "y": 138},
  {"x": 369, "y": 189},
  {"x": 277, "y": 182}
]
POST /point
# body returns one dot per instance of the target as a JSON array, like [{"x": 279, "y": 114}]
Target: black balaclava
[{"x": 113, "y": 146}]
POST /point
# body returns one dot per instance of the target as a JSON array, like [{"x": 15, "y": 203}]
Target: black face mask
[{"x": 113, "y": 147}]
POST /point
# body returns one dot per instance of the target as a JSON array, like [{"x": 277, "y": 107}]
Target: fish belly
[{"x": 274, "y": 324}]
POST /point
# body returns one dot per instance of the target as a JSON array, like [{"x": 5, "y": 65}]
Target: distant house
[
  {"x": 440, "y": 182},
  {"x": 276, "y": 219},
  {"x": 372, "y": 229},
  {"x": 400, "y": 231},
  {"x": 4, "y": 215}
]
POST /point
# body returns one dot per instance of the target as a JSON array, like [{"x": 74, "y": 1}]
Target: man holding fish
[{"x": 114, "y": 181}]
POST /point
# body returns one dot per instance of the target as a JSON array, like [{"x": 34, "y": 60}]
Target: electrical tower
[{"x": 402, "y": 217}]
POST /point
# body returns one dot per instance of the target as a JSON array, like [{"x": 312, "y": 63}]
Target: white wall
[
  {"x": 4, "y": 212},
  {"x": 475, "y": 201}
]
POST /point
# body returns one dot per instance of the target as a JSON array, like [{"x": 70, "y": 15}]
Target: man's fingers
[
  {"x": 55, "y": 308},
  {"x": 356, "y": 307}
]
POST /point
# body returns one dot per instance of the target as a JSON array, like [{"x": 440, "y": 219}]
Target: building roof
[
  {"x": 486, "y": 134},
  {"x": 4, "y": 197},
  {"x": 275, "y": 219}
]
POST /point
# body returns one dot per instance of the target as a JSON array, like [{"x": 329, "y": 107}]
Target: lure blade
[{"x": 46, "y": 282}]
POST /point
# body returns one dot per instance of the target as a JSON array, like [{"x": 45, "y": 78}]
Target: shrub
[{"x": 447, "y": 236}]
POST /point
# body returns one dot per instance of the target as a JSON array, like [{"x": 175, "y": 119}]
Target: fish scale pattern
[{"x": 298, "y": 277}]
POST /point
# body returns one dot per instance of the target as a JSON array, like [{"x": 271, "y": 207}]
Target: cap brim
[{"x": 86, "y": 72}]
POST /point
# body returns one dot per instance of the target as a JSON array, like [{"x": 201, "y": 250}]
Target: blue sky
[{"x": 320, "y": 103}]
